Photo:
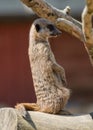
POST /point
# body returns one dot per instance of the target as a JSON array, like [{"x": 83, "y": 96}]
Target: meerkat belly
[{"x": 48, "y": 95}]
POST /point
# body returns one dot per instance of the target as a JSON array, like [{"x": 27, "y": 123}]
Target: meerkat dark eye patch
[
  {"x": 37, "y": 26},
  {"x": 50, "y": 27}
]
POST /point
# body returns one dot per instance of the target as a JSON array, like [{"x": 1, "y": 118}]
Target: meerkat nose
[
  {"x": 59, "y": 32},
  {"x": 56, "y": 32}
]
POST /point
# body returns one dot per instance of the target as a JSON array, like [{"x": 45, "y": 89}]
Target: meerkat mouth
[{"x": 56, "y": 33}]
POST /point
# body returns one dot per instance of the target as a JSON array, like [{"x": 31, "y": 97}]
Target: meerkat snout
[
  {"x": 54, "y": 31},
  {"x": 45, "y": 28}
]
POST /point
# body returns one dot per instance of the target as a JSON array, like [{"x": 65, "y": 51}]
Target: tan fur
[{"x": 48, "y": 77}]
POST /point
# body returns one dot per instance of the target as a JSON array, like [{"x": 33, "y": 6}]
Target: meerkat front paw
[{"x": 64, "y": 112}]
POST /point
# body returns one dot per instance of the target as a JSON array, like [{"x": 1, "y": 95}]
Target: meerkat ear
[{"x": 37, "y": 26}]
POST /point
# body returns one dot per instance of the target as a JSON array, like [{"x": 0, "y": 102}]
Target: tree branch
[
  {"x": 61, "y": 18},
  {"x": 87, "y": 27},
  {"x": 45, "y": 10},
  {"x": 70, "y": 27}
]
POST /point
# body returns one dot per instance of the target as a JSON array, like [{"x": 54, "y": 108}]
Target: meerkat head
[{"x": 45, "y": 28}]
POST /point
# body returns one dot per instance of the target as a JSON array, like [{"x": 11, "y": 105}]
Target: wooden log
[
  {"x": 11, "y": 119},
  {"x": 8, "y": 119}
]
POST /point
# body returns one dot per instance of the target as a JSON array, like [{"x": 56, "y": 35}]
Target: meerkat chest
[
  {"x": 41, "y": 53},
  {"x": 42, "y": 59}
]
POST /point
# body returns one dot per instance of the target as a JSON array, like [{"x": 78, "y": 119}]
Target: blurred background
[{"x": 15, "y": 75}]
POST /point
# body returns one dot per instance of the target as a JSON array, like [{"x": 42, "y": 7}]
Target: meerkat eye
[
  {"x": 37, "y": 26},
  {"x": 50, "y": 27}
]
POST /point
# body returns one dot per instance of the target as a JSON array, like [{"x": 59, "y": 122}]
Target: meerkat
[{"x": 48, "y": 76}]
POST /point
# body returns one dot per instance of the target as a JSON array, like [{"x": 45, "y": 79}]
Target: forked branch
[
  {"x": 62, "y": 19},
  {"x": 45, "y": 10}
]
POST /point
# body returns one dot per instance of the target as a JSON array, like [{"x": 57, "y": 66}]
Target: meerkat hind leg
[{"x": 28, "y": 106}]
